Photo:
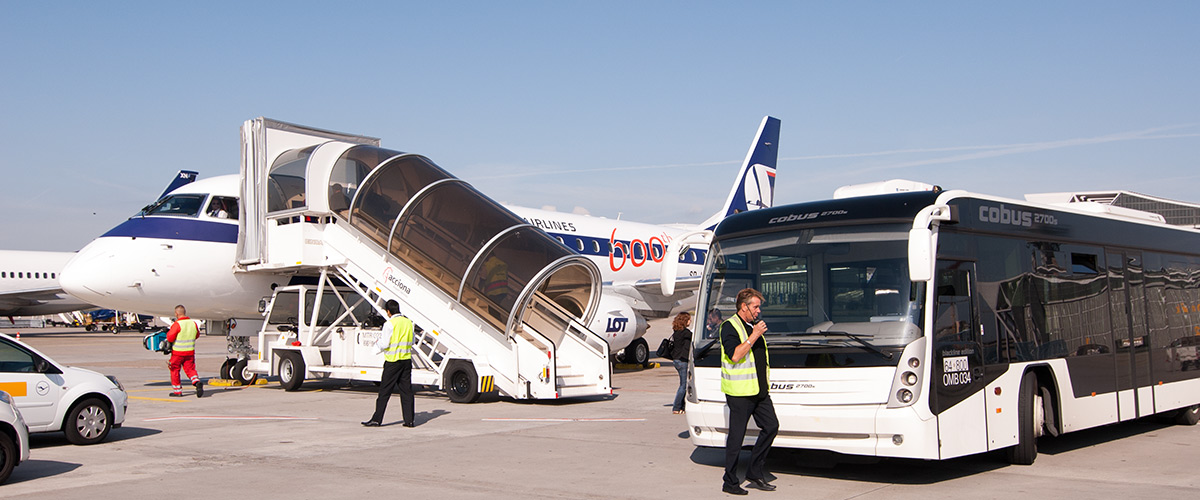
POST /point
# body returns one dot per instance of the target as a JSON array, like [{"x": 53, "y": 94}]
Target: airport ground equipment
[{"x": 501, "y": 306}]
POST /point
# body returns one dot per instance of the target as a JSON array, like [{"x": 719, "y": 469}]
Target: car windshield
[
  {"x": 844, "y": 287},
  {"x": 187, "y": 205}
]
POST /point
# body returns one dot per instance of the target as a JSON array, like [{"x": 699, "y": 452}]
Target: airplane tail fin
[
  {"x": 754, "y": 186},
  {"x": 182, "y": 178}
]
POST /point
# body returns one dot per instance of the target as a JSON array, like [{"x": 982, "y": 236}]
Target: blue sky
[{"x": 642, "y": 109}]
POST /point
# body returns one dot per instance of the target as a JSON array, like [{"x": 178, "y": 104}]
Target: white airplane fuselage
[{"x": 29, "y": 284}]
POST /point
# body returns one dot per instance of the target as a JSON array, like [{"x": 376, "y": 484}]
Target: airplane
[
  {"x": 182, "y": 250},
  {"x": 29, "y": 280},
  {"x": 29, "y": 284}
]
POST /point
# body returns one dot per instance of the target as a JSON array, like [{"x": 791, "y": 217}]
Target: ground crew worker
[
  {"x": 745, "y": 365},
  {"x": 395, "y": 341},
  {"x": 182, "y": 339}
]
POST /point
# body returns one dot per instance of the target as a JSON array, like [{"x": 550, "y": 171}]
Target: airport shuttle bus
[{"x": 935, "y": 324}]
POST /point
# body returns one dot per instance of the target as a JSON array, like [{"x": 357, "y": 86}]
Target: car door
[{"x": 34, "y": 383}]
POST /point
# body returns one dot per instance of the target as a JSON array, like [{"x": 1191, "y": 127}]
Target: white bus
[{"x": 935, "y": 324}]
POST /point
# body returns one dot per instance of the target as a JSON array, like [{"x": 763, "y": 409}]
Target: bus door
[
  {"x": 1127, "y": 299},
  {"x": 957, "y": 397}
]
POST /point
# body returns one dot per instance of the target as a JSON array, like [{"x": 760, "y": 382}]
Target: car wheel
[
  {"x": 88, "y": 422},
  {"x": 8, "y": 456}
]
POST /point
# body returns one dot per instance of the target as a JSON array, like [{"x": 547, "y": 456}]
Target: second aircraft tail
[{"x": 754, "y": 186}]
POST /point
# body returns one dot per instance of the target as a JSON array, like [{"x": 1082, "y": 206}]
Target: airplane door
[
  {"x": 957, "y": 383},
  {"x": 1127, "y": 299},
  {"x": 34, "y": 383}
]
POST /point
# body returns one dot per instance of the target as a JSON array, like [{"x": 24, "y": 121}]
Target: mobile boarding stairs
[{"x": 499, "y": 305}]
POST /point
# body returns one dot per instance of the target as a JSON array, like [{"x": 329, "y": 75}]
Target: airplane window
[
  {"x": 638, "y": 250},
  {"x": 187, "y": 205},
  {"x": 692, "y": 256},
  {"x": 596, "y": 246},
  {"x": 53, "y": 277},
  {"x": 20, "y": 275},
  {"x": 657, "y": 252},
  {"x": 37, "y": 276},
  {"x": 3, "y": 275},
  {"x": 560, "y": 240},
  {"x": 579, "y": 244},
  {"x": 223, "y": 207}
]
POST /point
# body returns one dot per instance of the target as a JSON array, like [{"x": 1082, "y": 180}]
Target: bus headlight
[
  {"x": 904, "y": 396},
  {"x": 909, "y": 379}
]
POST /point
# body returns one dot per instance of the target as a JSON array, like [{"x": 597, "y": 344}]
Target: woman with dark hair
[{"x": 681, "y": 350}]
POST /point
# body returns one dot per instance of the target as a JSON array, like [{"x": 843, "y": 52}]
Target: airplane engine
[{"x": 619, "y": 324}]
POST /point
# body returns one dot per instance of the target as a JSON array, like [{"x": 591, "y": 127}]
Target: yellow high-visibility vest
[
  {"x": 741, "y": 378},
  {"x": 185, "y": 340},
  {"x": 400, "y": 344}
]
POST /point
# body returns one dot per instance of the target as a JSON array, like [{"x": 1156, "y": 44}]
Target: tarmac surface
[{"x": 263, "y": 442}]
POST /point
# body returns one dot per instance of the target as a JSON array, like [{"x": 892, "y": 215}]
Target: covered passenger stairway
[{"x": 500, "y": 304}]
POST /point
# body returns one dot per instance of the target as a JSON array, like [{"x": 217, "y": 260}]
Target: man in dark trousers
[
  {"x": 744, "y": 370},
  {"x": 395, "y": 342}
]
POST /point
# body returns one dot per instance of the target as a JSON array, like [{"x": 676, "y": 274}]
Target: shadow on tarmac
[
  {"x": 56, "y": 439},
  {"x": 36, "y": 469},
  {"x": 830, "y": 465}
]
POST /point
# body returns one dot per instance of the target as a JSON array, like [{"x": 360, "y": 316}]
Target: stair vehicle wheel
[
  {"x": 637, "y": 352},
  {"x": 227, "y": 367},
  {"x": 1188, "y": 416},
  {"x": 241, "y": 372},
  {"x": 88, "y": 422},
  {"x": 291, "y": 370},
  {"x": 1030, "y": 422},
  {"x": 8, "y": 456},
  {"x": 462, "y": 384}
]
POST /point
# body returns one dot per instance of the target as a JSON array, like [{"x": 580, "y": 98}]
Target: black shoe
[
  {"x": 199, "y": 385},
  {"x": 760, "y": 484},
  {"x": 733, "y": 489},
  {"x": 177, "y": 394},
  {"x": 409, "y": 424},
  {"x": 370, "y": 423}
]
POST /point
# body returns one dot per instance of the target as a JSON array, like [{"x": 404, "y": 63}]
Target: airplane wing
[
  {"x": 647, "y": 299},
  {"x": 37, "y": 301}
]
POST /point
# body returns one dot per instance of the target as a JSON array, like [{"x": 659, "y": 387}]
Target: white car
[
  {"x": 52, "y": 397},
  {"x": 14, "y": 437}
]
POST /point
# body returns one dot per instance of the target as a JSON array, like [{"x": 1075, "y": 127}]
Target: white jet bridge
[{"x": 500, "y": 305}]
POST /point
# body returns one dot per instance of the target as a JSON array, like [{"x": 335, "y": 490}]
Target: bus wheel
[
  {"x": 1030, "y": 420},
  {"x": 1188, "y": 416}
]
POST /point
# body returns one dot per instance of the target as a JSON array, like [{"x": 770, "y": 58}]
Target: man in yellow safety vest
[
  {"x": 395, "y": 342},
  {"x": 745, "y": 366},
  {"x": 182, "y": 338}
]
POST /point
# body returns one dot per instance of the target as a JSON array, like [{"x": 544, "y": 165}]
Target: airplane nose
[{"x": 82, "y": 274}]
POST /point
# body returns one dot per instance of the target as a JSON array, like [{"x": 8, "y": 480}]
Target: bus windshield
[{"x": 843, "y": 289}]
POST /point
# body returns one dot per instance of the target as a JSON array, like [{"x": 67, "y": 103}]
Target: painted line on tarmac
[
  {"x": 158, "y": 399},
  {"x": 563, "y": 419},
  {"x": 225, "y": 417}
]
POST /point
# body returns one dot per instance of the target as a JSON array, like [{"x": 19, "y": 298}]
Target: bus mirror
[
  {"x": 670, "y": 263},
  {"x": 920, "y": 254}
]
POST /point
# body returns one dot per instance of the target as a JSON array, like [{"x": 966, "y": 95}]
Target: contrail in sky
[{"x": 986, "y": 151}]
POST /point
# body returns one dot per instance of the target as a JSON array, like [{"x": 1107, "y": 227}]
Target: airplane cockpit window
[
  {"x": 223, "y": 207},
  {"x": 285, "y": 183},
  {"x": 186, "y": 205}
]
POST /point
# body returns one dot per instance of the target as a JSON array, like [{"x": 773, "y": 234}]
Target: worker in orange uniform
[{"x": 182, "y": 339}]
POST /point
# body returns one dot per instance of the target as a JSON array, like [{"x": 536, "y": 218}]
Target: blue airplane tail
[
  {"x": 182, "y": 178},
  {"x": 754, "y": 186}
]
